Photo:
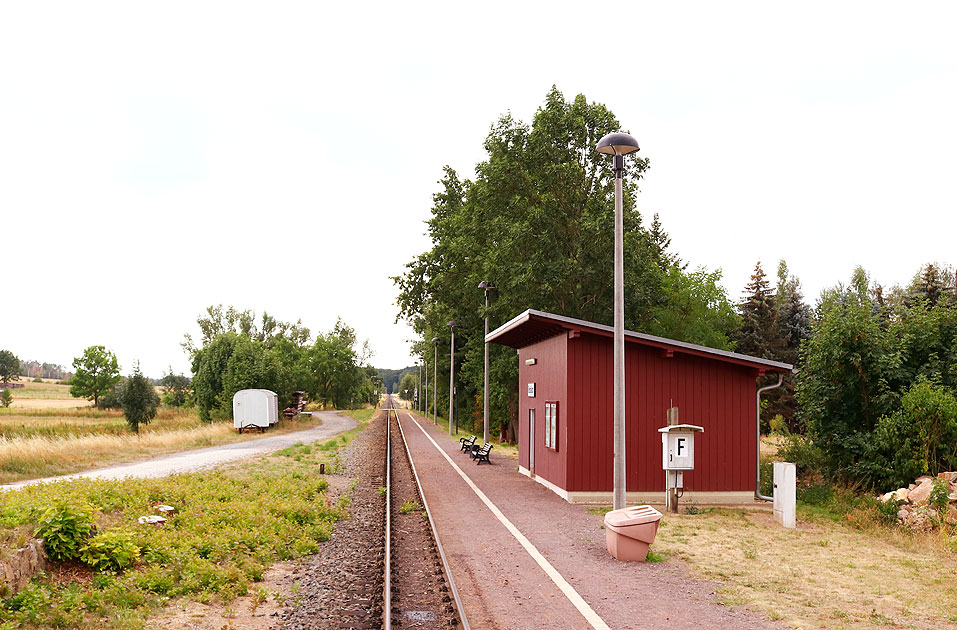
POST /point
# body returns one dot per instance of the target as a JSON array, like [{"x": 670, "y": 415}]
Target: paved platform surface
[
  {"x": 503, "y": 585},
  {"x": 198, "y": 459}
]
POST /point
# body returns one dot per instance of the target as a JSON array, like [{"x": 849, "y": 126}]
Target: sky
[{"x": 158, "y": 158}]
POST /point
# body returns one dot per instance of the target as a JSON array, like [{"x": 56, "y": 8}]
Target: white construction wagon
[{"x": 255, "y": 408}]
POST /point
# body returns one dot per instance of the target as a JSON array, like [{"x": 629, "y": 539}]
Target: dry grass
[
  {"x": 42, "y": 390},
  {"x": 821, "y": 575},
  {"x": 46, "y": 443}
]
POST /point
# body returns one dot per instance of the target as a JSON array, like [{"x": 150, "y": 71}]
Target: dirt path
[
  {"x": 503, "y": 585},
  {"x": 189, "y": 461}
]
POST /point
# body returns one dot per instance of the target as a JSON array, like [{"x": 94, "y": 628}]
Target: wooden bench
[
  {"x": 467, "y": 444},
  {"x": 482, "y": 454}
]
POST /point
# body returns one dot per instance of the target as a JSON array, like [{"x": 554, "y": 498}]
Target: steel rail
[
  {"x": 435, "y": 533},
  {"x": 387, "y": 581}
]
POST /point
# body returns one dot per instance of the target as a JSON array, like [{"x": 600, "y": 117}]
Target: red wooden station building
[{"x": 566, "y": 409}]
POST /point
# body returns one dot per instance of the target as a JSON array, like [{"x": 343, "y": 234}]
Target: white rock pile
[{"x": 915, "y": 510}]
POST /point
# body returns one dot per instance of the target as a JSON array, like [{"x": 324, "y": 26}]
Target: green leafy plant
[
  {"x": 409, "y": 506},
  {"x": 6, "y": 398},
  {"x": 64, "y": 527},
  {"x": 939, "y": 499},
  {"x": 110, "y": 551}
]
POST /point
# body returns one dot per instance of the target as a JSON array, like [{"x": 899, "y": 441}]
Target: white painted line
[{"x": 590, "y": 615}]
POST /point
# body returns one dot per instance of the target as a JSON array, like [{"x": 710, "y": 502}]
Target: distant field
[
  {"x": 46, "y": 442},
  {"x": 42, "y": 391}
]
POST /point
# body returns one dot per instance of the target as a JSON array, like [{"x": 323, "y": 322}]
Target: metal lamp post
[
  {"x": 619, "y": 145},
  {"x": 435, "y": 380},
  {"x": 486, "y": 286},
  {"x": 452, "y": 325},
  {"x": 425, "y": 386}
]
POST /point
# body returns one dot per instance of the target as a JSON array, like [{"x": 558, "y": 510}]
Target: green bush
[
  {"x": 803, "y": 453},
  {"x": 920, "y": 438},
  {"x": 110, "y": 551},
  {"x": 939, "y": 496},
  {"x": 64, "y": 528},
  {"x": 6, "y": 398}
]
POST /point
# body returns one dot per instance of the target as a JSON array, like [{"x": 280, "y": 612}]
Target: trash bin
[{"x": 630, "y": 531}]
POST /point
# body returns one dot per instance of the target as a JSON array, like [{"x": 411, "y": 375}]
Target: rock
[
  {"x": 951, "y": 517},
  {"x": 902, "y": 514},
  {"x": 18, "y": 567},
  {"x": 912, "y": 486},
  {"x": 922, "y": 479},
  {"x": 952, "y": 495},
  {"x": 901, "y": 494},
  {"x": 919, "y": 519},
  {"x": 921, "y": 493},
  {"x": 887, "y": 497},
  {"x": 947, "y": 476}
]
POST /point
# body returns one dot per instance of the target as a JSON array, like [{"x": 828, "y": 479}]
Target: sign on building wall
[{"x": 531, "y": 390}]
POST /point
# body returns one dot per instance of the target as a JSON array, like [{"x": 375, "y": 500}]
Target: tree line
[{"x": 875, "y": 383}]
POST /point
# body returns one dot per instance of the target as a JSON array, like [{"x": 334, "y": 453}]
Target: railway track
[{"x": 418, "y": 588}]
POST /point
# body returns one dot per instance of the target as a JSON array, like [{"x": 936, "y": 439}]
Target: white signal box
[{"x": 677, "y": 446}]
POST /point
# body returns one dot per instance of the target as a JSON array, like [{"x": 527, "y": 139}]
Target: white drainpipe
[{"x": 757, "y": 488}]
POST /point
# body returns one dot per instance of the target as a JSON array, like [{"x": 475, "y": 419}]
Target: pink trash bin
[{"x": 630, "y": 531}]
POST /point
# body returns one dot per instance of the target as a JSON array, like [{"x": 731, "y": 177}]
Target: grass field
[
  {"x": 37, "y": 443},
  {"x": 41, "y": 390},
  {"x": 824, "y": 574}
]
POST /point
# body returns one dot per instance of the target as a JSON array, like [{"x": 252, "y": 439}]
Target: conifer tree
[{"x": 794, "y": 326}]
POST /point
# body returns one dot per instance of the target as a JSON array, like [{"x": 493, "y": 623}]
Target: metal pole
[
  {"x": 451, "y": 380},
  {"x": 425, "y": 404},
  {"x": 619, "y": 432},
  {"x": 435, "y": 383},
  {"x": 485, "y": 429},
  {"x": 418, "y": 389}
]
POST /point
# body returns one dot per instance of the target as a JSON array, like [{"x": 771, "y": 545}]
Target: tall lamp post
[
  {"x": 435, "y": 380},
  {"x": 425, "y": 386},
  {"x": 619, "y": 145},
  {"x": 452, "y": 325},
  {"x": 486, "y": 286}
]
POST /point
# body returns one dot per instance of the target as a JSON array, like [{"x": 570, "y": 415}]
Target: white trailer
[{"x": 255, "y": 408}]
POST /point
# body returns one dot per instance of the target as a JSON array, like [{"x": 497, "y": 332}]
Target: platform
[{"x": 527, "y": 559}]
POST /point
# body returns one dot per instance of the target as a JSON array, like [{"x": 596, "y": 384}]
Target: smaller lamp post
[
  {"x": 435, "y": 380},
  {"x": 452, "y": 325},
  {"x": 486, "y": 286}
]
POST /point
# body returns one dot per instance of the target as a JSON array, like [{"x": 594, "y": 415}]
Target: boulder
[
  {"x": 947, "y": 476},
  {"x": 919, "y": 519},
  {"x": 921, "y": 493},
  {"x": 18, "y": 566},
  {"x": 951, "y": 517},
  {"x": 901, "y": 494},
  {"x": 887, "y": 497},
  {"x": 952, "y": 495}
]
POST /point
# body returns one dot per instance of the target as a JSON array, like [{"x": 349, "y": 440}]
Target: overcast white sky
[{"x": 156, "y": 158}]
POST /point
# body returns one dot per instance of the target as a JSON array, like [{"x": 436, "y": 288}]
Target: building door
[{"x": 531, "y": 441}]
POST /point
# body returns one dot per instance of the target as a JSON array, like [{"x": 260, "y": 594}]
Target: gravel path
[
  {"x": 341, "y": 586},
  {"x": 190, "y": 461}
]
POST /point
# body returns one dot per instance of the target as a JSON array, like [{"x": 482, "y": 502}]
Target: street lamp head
[
  {"x": 435, "y": 339},
  {"x": 485, "y": 284},
  {"x": 453, "y": 324},
  {"x": 617, "y": 143}
]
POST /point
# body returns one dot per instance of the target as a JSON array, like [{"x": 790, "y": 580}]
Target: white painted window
[{"x": 551, "y": 425}]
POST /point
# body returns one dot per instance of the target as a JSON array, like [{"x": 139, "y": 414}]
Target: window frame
[{"x": 551, "y": 425}]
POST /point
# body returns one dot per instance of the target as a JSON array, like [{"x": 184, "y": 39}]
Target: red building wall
[
  {"x": 578, "y": 373},
  {"x": 550, "y": 380}
]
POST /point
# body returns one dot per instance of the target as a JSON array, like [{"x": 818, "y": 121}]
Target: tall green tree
[
  {"x": 538, "y": 222},
  {"x": 9, "y": 367},
  {"x": 793, "y": 327},
  {"x": 851, "y": 372},
  {"x": 139, "y": 400},
  {"x": 95, "y": 372}
]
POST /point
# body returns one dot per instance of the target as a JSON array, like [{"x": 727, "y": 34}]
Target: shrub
[
  {"x": 110, "y": 551},
  {"x": 805, "y": 454},
  {"x": 920, "y": 438},
  {"x": 6, "y": 398},
  {"x": 64, "y": 527},
  {"x": 939, "y": 499}
]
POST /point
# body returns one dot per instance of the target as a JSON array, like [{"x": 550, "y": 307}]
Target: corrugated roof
[{"x": 533, "y": 326}]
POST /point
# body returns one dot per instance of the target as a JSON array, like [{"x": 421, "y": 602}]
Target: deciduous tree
[
  {"x": 95, "y": 372},
  {"x": 9, "y": 367}
]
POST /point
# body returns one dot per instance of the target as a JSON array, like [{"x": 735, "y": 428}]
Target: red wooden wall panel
[
  {"x": 550, "y": 375},
  {"x": 711, "y": 393}
]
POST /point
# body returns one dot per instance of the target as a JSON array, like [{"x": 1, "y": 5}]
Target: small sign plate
[{"x": 531, "y": 390}]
